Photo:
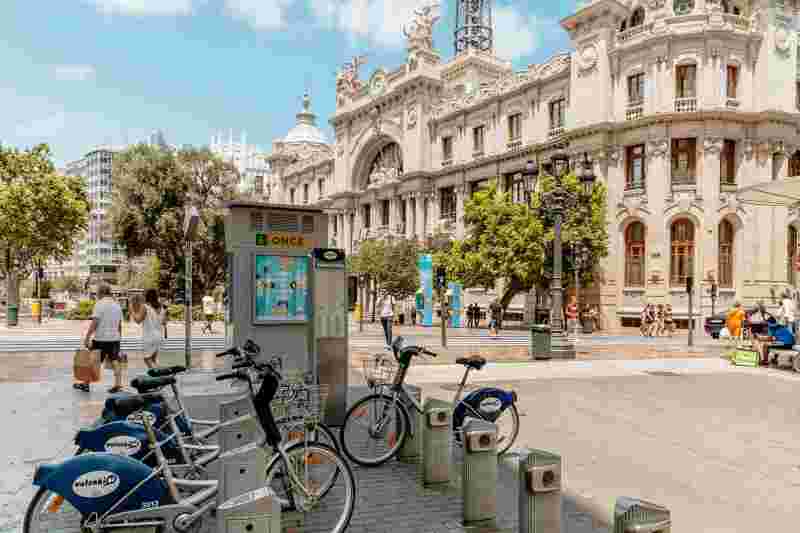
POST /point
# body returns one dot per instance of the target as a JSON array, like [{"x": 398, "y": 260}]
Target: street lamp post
[
  {"x": 553, "y": 204},
  {"x": 362, "y": 283}
]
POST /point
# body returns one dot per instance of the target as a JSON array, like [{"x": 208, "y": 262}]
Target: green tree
[
  {"x": 390, "y": 267},
  {"x": 41, "y": 213},
  {"x": 508, "y": 242},
  {"x": 152, "y": 188},
  {"x": 67, "y": 283}
]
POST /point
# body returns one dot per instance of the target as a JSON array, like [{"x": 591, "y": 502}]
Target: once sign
[{"x": 278, "y": 240}]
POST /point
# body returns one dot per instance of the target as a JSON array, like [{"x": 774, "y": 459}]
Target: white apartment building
[{"x": 249, "y": 160}]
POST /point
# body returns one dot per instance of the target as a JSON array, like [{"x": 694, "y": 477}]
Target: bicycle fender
[
  {"x": 93, "y": 482},
  {"x": 490, "y": 402},
  {"x": 155, "y": 409},
  {"x": 125, "y": 438}
]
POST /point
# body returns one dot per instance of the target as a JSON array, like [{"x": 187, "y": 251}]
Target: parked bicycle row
[{"x": 145, "y": 463}]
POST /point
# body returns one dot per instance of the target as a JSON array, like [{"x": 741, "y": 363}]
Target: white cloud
[
  {"x": 73, "y": 72},
  {"x": 516, "y": 34},
  {"x": 43, "y": 127},
  {"x": 143, "y": 7},
  {"x": 260, "y": 14},
  {"x": 379, "y": 21}
]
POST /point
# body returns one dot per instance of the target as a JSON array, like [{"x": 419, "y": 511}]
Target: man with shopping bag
[{"x": 104, "y": 335}]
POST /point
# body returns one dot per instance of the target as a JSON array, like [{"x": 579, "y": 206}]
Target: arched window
[
  {"x": 725, "y": 256},
  {"x": 623, "y": 25},
  {"x": 791, "y": 255},
  {"x": 682, "y": 252},
  {"x": 634, "y": 255},
  {"x": 794, "y": 164},
  {"x": 637, "y": 18},
  {"x": 387, "y": 164},
  {"x": 683, "y": 7}
]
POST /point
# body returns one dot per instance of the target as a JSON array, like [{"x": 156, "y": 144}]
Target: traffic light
[
  {"x": 441, "y": 278},
  {"x": 180, "y": 295}
]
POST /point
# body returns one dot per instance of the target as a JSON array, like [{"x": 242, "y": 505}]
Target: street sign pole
[
  {"x": 190, "y": 221},
  {"x": 689, "y": 286}
]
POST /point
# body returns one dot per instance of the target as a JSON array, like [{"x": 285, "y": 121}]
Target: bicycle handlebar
[
  {"x": 428, "y": 352},
  {"x": 232, "y": 375},
  {"x": 229, "y": 351}
]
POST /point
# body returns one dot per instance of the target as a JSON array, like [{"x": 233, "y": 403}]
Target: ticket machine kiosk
[{"x": 287, "y": 291}]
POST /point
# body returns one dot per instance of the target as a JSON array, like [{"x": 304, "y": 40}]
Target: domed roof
[{"x": 306, "y": 130}]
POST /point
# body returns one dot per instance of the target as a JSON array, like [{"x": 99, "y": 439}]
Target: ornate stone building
[{"x": 679, "y": 104}]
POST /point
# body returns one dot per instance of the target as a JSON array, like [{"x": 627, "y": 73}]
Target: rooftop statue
[
  {"x": 347, "y": 78},
  {"x": 419, "y": 31}
]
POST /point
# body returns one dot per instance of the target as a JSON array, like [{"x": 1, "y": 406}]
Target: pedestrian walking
[
  {"x": 471, "y": 316},
  {"x": 572, "y": 315},
  {"x": 786, "y": 313},
  {"x": 148, "y": 314},
  {"x": 658, "y": 323},
  {"x": 208, "y": 311},
  {"x": 387, "y": 315},
  {"x": 669, "y": 322},
  {"x": 735, "y": 320},
  {"x": 104, "y": 335}
]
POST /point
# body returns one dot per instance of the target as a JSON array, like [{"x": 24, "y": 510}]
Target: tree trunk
[{"x": 513, "y": 288}]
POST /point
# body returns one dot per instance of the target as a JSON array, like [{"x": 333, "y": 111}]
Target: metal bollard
[
  {"x": 257, "y": 511},
  {"x": 411, "y": 451},
  {"x": 634, "y": 515},
  {"x": 241, "y": 470},
  {"x": 479, "y": 486},
  {"x": 238, "y": 432},
  {"x": 539, "y": 492},
  {"x": 436, "y": 441},
  {"x": 235, "y": 408}
]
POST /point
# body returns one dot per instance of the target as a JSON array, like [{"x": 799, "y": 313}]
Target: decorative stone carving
[
  {"x": 419, "y": 31},
  {"x": 776, "y": 146},
  {"x": 712, "y": 145},
  {"x": 377, "y": 83},
  {"x": 748, "y": 148},
  {"x": 782, "y": 40},
  {"x": 347, "y": 79},
  {"x": 587, "y": 58},
  {"x": 411, "y": 117},
  {"x": 657, "y": 147},
  {"x": 655, "y": 4}
]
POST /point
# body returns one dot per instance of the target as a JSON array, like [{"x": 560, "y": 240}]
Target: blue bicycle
[{"x": 376, "y": 427}]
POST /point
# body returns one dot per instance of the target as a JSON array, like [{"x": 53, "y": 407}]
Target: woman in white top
[
  {"x": 387, "y": 317},
  {"x": 149, "y": 315}
]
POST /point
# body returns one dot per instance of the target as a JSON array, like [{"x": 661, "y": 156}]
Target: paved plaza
[{"x": 716, "y": 444}]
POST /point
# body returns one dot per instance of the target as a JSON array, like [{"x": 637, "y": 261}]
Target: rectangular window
[
  {"x": 515, "y": 187},
  {"x": 447, "y": 203},
  {"x": 515, "y": 127},
  {"x": 727, "y": 163},
  {"x": 478, "y": 135},
  {"x": 684, "y": 161},
  {"x": 635, "y": 166},
  {"x": 335, "y": 224},
  {"x": 636, "y": 89},
  {"x": 259, "y": 186},
  {"x": 291, "y": 196},
  {"x": 479, "y": 185},
  {"x": 557, "y": 109},
  {"x": 732, "y": 81},
  {"x": 321, "y": 187},
  {"x": 402, "y": 215},
  {"x": 384, "y": 213},
  {"x": 447, "y": 148},
  {"x": 367, "y": 215},
  {"x": 305, "y": 193},
  {"x": 685, "y": 77}
]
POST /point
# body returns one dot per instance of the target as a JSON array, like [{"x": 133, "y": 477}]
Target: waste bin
[
  {"x": 588, "y": 325},
  {"x": 12, "y": 312},
  {"x": 540, "y": 342}
]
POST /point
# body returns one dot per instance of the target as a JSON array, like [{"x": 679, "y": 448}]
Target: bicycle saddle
[
  {"x": 474, "y": 361},
  {"x": 165, "y": 371},
  {"x": 125, "y": 405},
  {"x": 144, "y": 384}
]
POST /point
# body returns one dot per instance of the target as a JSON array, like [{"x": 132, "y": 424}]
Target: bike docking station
[
  {"x": 479, "y": 472},
  {"x": 436, "y": 430},
  {"x": 255, "y": 511}
]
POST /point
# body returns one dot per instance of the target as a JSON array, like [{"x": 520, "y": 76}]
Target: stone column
[
  {"x": 611, "y": 170},
  {"x": 707, "y": 241},
  {"x": 657, "y": 188},
  {"x": 419, "y": 222}
]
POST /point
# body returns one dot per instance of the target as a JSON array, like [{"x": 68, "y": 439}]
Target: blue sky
[{"x": 77, "y": 73}]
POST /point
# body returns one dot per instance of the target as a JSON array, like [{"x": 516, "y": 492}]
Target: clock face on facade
[{"x": 377, "y": 84}]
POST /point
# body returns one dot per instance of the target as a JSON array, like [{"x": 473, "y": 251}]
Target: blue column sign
[
  {"x": 426, "y": 280},
  {"x": 456, "y": 304}
]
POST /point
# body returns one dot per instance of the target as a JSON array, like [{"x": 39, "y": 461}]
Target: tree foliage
[
  {"x": 152, "y": 188},
  {"x": 507, "y": 241},
  {"x": 390, "y": 264},
  {"x": 41, "y": 213}
]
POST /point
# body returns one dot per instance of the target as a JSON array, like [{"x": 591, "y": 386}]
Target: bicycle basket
[{"x": 379, "y": 370}]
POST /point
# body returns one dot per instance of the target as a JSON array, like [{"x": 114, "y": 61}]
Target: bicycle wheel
[
  {"x": 294, "y": 429},
  {"x": 507, "y": 428},
  {"x": 49, "y": 511},
  {"x": 304, "y": 490},
  {"x": 374, "y": 430}
]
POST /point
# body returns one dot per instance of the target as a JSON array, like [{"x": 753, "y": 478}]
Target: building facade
[
  {"x": 678, "y": 103},
  {"x": 249, "y": 160}
]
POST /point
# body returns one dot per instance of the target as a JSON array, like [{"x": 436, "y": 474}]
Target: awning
[{"x": 780, "y": 193}]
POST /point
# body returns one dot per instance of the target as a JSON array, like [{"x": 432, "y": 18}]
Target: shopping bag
[{"x": 86, "y": 366}]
